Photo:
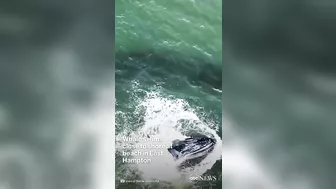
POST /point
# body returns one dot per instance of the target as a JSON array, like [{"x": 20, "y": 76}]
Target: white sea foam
[
  {"x": 243, "y": 169},
  {"x": 170, "y": 119}
]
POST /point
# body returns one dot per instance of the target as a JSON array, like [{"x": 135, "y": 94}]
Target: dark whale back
[{"x": 192, "y": 147}]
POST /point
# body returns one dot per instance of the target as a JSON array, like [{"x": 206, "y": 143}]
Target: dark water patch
[
  {"x": 301, "y": 31},
  {"x": 27, "y": 23},
  {"x": 196, "y": 70}
]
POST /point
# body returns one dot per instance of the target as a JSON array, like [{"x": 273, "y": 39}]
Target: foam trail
[
  {"x": 169, "y": 119},
  {"x": 90, "y": 128},
  {"x": 104, "y": 168},
  {"x": 96, "y": 125},
  {"x": 242, "y": 169}
]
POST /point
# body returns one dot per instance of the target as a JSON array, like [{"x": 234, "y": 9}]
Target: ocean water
[
  {"x": 168, "y": 83},
  {"x": 278, "y": 126},
  {"x": 279, "y": 99},
  {"x": 57, "y": 90}
]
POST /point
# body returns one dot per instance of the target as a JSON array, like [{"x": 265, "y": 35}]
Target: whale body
[{"x": 192, "y": 148}]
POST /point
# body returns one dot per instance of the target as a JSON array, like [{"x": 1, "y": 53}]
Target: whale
[{"x": 191, "y": 148}]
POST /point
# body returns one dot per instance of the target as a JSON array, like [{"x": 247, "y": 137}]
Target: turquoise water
[{"x": 168, "y": 80}]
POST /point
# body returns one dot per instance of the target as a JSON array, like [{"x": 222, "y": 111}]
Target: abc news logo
[{"x": 202, "y": 178}]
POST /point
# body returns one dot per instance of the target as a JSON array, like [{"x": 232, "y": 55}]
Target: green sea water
[{"x": 168, "y": 78}]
